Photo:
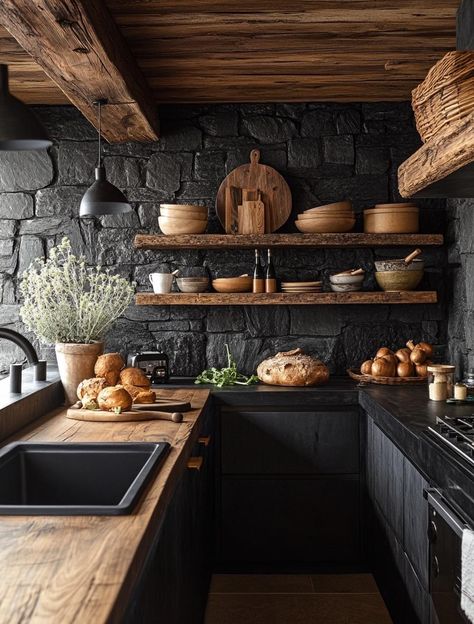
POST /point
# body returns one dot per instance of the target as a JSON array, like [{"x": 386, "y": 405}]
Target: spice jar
[
  {"x": 460, "y": 392},
  {"x": 468, "y": 381},
  {"x": 441, "y": 382}
]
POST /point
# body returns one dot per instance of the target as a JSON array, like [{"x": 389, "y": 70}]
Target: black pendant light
[
  {"x": 102, "y": 197},
  {"x": 20, "y": 129}
]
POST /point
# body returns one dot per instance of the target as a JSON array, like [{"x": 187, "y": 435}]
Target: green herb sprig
[{"x": 227, "y": 376}]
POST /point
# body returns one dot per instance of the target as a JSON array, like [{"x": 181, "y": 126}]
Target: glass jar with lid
[
  {"x": 441, "y": 381},
  {"x": 468, "y": 381}
]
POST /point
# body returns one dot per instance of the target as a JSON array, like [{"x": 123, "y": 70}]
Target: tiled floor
[{"x": 295, "y": 599}]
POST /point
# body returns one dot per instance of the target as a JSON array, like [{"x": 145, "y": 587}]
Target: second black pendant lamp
[
  {"x": 102, "y": 197},
  {"x": 20, "y": 129}
]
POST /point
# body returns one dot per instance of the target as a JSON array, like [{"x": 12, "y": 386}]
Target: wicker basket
[{"x": 445, "y": 95}]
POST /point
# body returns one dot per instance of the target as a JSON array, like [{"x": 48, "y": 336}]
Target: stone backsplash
[{"x": 326, "y": 152}]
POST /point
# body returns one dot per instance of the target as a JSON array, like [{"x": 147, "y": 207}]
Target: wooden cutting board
[
  {"x": 274, "y": 191},
  {"x": 163, "y": 409}
]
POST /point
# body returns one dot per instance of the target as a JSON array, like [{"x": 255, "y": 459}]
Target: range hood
[{"x": 444, "y": 165}]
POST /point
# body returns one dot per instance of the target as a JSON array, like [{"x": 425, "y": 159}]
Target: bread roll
[
  {"x": 114, "y": 397},
  {"x": 140, "y": 394},
  {"x": 109, "y": 366},
  {"x": 89, "y": 389},
  {"x": 134, "y": 377},
  {"x": 145, "y": 396},
  {"x": 292, "y": 368}
]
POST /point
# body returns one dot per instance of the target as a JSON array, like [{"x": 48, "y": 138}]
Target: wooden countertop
[{"x": 83, "y": 569}]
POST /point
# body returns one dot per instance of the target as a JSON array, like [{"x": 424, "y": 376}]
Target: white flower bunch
[{"x": 67, "y": 301}]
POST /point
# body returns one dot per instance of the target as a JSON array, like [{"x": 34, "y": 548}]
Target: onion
[
  {"x": 403, "y": 355},
  {"x": 422, "y": 369},
  {"x": 405, "y": 369},
  {"x": 427, "y": 348},
  {"x": 382, "y": 367},
  {"x": 366, "y": 367},
  {"x": 383, "y": 351},
  {"x": 418, "y": 356}
]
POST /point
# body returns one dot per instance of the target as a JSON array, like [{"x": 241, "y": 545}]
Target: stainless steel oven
[{"x": 445, "y": 527}]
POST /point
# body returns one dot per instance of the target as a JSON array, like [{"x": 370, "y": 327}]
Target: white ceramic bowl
[{"x": 346, "y": 279}]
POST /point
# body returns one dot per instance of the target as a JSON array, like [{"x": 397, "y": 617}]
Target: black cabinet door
[
  {"x": 283, "y": 442},
  {"x": 415, "y": 522},
  {"x": 420, "y": 600},
  {"x": 290, "y": 520},
  {"x": 387, "y": 480},
  {"x": 176, "y": 580}
]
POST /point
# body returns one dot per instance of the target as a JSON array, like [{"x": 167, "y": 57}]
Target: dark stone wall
[
  {"x": 461, "y": 283},
  {"x": 327, "y": 152}
]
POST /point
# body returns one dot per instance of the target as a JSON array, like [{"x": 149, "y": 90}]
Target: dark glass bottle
[
  {"x": 270, "y": 277},
  {"x": 258, "y": 275}
]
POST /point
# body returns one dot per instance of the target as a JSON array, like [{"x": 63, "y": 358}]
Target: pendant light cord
[{"x": 100, "y": 135}]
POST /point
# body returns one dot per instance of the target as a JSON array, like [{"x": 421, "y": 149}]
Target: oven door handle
[{"x": 436, "y": 500}]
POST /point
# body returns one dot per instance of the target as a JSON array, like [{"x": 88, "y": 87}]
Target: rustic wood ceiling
[{"x": 268, "y": 50}]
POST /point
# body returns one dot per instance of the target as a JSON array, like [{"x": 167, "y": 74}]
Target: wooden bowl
[
  {"x": 395, "y": 207},
  {"x": 337, "y": 206},
  {"x": 202, "y": 210},
  {"x": 182, "y": 214},
  {"x": 333, "y": 214},
  {"x": 398, "y": 221},
  {"x": 326, "y": 225},
  {"x": 233, "y": 284},
  {"x": 181, "y": 226},
  {"x": 398, "y": 280}
]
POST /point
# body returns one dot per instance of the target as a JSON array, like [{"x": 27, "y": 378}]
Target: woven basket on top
[{"x": 446, "y": 94}]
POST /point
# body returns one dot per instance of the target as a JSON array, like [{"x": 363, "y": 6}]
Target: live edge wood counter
[{"x": 83, "y": 569}]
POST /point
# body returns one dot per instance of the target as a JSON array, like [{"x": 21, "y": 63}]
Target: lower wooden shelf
[{"x": 325, "y": 298}]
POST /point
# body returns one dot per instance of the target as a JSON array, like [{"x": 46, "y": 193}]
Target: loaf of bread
[
  {"x": 134, "y": 377},
  {"x": 114, "y": 397},
  {"x": 88, "y": 390},
  {"x": 292, "y": 368},
  {"x": 109, "y": 366}
]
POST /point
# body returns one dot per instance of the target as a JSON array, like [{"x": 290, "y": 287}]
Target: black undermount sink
[{"x": 75, "y": 479}]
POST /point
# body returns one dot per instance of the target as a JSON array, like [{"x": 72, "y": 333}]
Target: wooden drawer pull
[
  {"x": 195, "y": 463},
  {"x": 204, "y": 440}
]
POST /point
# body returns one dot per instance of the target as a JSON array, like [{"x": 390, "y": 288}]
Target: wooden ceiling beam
[
  {"x": 447, "y": 152},
  {"x": 80, "y": 47}
]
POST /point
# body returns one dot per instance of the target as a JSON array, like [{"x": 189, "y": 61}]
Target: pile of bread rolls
[
  {"x": 114, "y": 387},
  {"x": 409, "y": 361}
]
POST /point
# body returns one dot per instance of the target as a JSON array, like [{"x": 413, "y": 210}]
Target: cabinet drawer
[
  {"x": 290, "y": 520},
  {"x": 277, "y": 442}
]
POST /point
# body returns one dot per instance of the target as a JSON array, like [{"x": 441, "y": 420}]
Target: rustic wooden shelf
[
  {"x": 325, "y": 298},
  {"x": 243, "y": 241}
]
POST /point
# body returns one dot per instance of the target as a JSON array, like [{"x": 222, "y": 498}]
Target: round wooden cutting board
[{"x": 255, "y": 178}]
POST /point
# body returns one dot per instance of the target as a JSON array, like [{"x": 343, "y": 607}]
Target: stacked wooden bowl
[
  {"x": 182, "y": 219},
  {"x": 331, "y": 218}
]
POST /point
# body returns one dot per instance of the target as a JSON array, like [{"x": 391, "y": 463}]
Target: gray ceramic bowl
[
  {"x": 190, "y": 285},
  {"x": 346, "y": 287}
]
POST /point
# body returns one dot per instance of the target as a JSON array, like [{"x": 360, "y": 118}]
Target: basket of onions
[{"x": 407, "y": 365}]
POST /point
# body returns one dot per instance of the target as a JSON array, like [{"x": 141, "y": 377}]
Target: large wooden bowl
[
  {"x": 181, "y": 226},
  {"x": 182, "y": 214},
  {"x": 325, "y": 225},
  {"x": 233, "y": 284},
  {"x": 398, "y": 280},
  {"x": 202, "y": 210}
]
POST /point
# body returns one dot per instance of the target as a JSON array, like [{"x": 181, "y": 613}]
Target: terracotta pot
[{"x": 75, "y": 363}]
